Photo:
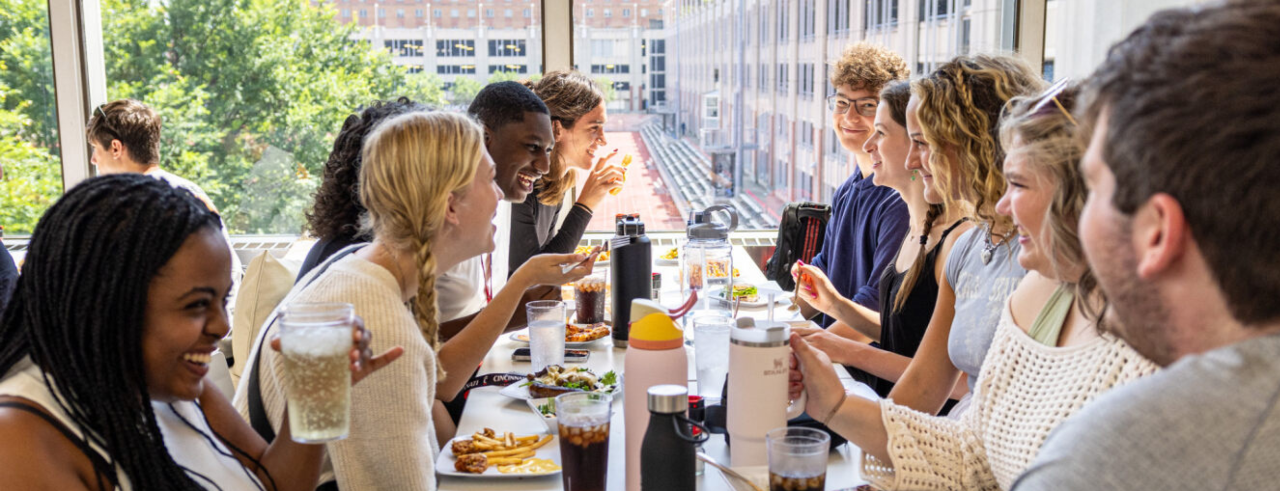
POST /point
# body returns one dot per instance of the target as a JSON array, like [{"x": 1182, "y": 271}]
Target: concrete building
[{"x": 475, "y": 39}]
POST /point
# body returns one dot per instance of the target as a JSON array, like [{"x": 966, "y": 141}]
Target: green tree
[
  {"x": 30, "y": 179},
  {"x": 238, "y": 79},
  {"x": 464, "y": 91},
  {"x": 26, "y": 69}
]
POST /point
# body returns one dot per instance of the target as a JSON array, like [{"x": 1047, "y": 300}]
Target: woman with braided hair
[
  {"x": 106, "y": 343},
  {"x": 909, "y": 285},
  {"x": 429, "y": 187}
]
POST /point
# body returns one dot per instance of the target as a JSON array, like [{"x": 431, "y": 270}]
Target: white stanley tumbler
[{"x": 759, "y": 362}]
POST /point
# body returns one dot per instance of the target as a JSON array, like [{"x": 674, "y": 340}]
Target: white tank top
[{"x": 208, "y": 461}]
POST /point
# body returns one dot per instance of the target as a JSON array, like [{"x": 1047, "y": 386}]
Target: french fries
[{"x": 487, "y": 448}]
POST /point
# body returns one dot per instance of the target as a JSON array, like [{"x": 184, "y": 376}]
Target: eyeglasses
[
  {"x": 103, "y": 121},
  {"x": 865, "y": 106},
  {"x": 1042, "y": 105}
]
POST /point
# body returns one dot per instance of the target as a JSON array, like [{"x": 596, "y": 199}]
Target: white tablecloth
[{"x": 486, "y": 408}]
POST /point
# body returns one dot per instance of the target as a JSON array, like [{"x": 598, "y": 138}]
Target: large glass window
[
  {"x": 30, "y": 167},
  {"x": 252, "y": 94}
]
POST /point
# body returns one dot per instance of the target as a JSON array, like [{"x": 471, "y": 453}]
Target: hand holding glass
[{"x": 315, "y": 340}]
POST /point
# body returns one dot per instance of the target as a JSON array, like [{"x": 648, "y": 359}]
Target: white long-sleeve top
[
  {"x": 1024, "y": 391},
  {"x": 392, "y": 442}
]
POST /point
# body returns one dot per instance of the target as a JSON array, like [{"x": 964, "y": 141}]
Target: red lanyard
[{"x": 488, "y": 278}]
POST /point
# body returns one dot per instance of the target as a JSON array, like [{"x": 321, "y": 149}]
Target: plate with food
[
  {"x": 670, "y": 258},
  {"x": 601, "y": 260},
  {"x": 488, "y": 453},
  {"x": 575, "y": 335},
  {"x": 752, "y": 296},
  {"x": 555, "y": 380}
]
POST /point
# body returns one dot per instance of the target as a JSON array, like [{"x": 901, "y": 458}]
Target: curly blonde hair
[
  {"x": 412, "y": 164},
  {"x": 569, "y": 95},
  {"x": 959, "y": 114},
  {"x": 866, "y": 66}
]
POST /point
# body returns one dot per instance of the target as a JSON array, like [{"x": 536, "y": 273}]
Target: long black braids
[{"x": 79, "y": 306}]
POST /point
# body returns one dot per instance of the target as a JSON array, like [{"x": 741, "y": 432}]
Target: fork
[{"x": 594, "y": 253}]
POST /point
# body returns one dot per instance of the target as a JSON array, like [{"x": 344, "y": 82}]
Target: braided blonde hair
[
  {"x": 959, "y": 115},
  {"x": 412, "y": 164}
]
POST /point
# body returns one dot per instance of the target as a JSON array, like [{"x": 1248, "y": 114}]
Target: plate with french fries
[{"x": 503, "y": 455}]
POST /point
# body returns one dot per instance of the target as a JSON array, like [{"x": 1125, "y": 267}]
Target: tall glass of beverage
[
  {"x": 797, "y": 459},
  {"x": 546, "y": 333},
  {"x": 711, "y": 353},
  {"x": 584, "y": 439},
  {"x": 589, "y": 296},
  {"x": 315, "y": 339}
]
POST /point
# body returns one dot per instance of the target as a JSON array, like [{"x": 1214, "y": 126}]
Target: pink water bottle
[{"x": 655, "y": 356}]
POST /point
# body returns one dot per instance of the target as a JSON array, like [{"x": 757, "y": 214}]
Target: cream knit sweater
[
  {"x": 392, "y": 443},
  {"x": 1025, "y": 389}
]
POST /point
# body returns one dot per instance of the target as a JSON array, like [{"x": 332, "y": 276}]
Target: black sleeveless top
[{"x": 902, "y": 331}]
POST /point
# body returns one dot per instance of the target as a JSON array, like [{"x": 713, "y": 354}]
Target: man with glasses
[
  {"x": 867, "y": 221},
  {"x": 125, "y": 137}
]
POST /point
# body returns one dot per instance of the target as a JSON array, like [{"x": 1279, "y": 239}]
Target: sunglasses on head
[
  {"x": 103, "y": 121},
  {"x": 1049, "y": 100}
]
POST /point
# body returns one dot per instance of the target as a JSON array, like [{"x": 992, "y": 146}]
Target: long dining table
[{"x": 487, "y": 408}]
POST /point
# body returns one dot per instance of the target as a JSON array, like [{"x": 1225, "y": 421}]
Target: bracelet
[{"x": 843, "y": 397}]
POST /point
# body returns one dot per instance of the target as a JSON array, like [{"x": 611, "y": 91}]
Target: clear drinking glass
[
  {"x": 584, "y": 439},
  {"x": 711, "y": 353},
  {"x": 797, "y": 459},
  {"x": 315, "y": 340},
  {"x": 546, "y": 333}
]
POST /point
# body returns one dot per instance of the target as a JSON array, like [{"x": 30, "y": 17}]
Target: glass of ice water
[
  {"x": 316, "y": 340},
  {"x": 711, "y": 353},
  {"x": 546, "y": 333}
]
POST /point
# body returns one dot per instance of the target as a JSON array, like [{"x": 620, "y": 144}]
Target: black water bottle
[
  {"x": 631, "y": 260},
  {"x": 668, "y": 452}
]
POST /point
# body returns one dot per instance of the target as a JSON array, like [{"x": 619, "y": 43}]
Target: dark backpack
[{"x": 800, "y": 235}]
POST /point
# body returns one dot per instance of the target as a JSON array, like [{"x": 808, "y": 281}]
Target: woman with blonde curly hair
[
  {"x": 577, "y": 122},
  {"x": 1047, "y": 360},
  {"x": 428, "y": 184}
]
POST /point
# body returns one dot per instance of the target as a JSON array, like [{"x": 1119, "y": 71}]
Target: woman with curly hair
[
  {"x": 1049, "y": 357},
  {"x": 334, "y": 219},
  {"x": 577, "y": 121}
]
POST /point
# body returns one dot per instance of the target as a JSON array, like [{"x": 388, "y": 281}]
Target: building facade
[{"x": 613, "y": 40}]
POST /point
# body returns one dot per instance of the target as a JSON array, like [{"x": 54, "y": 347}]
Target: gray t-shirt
[
  {"x": 981, "y": 291},
  {"x": 1208, "y": 421}
]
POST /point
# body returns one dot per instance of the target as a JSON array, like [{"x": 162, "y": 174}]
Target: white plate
[
  {"x": 444, "y": 464},
  {"x": 667, "y": 262},
  {"x": 781, "y": 300},
  {"x": 520, "y": 391},
  {"x": 522, "y": 337}
]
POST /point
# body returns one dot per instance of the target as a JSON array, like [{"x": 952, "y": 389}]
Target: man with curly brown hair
[{"x": 867, "y": 221}]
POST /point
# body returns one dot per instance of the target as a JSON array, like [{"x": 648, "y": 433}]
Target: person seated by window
[
  {"x": 959, "y": 161},
  {"x": 105, "y": 348},
  {"x": 868, "y": 221},
  {"x": 429, "y": 187},
  {"x": 334, "y": 217},
  {"x": 1180, "y": 225},
  {"x": 577, "y": 121},
  {"x": 909, "y": 285},
  {"x": 124, "y": 136},
  {"x": 1050, "y": 355}
]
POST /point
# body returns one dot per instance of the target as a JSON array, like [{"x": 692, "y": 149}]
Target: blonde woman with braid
[
  {"x": 428, "y": 184},
  {"x": 1049, "y": 356}
]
